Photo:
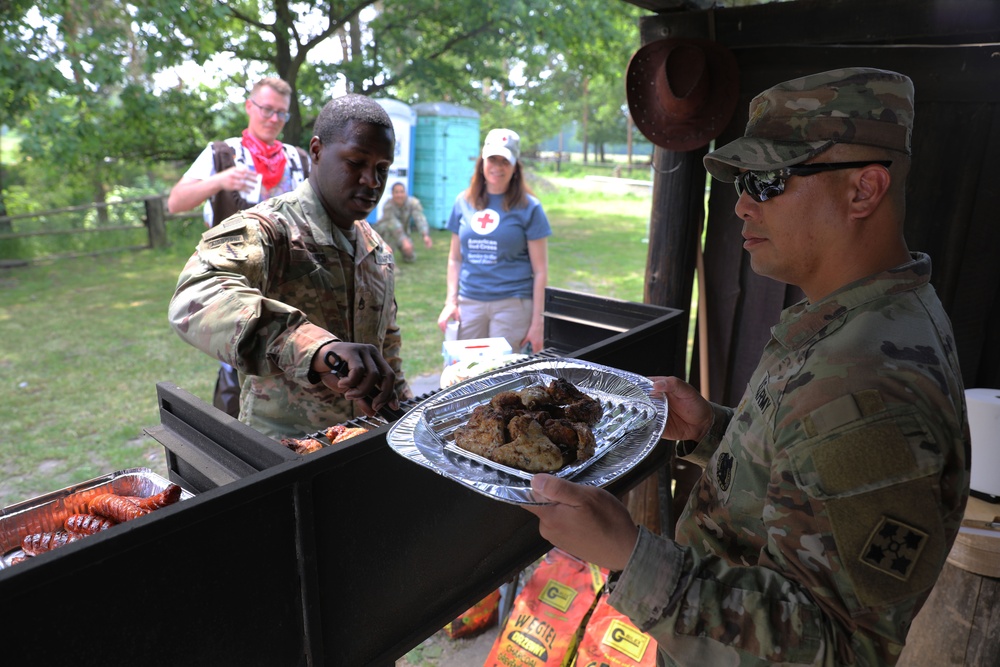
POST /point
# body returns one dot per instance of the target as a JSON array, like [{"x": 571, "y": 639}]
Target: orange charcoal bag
[
  {"x": 477, "y": 618},
  {"x": 548, "y": 615},
  {"x": 610, "y": 640}
]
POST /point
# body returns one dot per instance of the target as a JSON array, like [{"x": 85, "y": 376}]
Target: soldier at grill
[
  {"x": 286, "y": 290},
  {"x": 832, "y": 493}
]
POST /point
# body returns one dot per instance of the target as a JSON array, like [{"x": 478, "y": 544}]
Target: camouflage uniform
[
  {"x": 833, "y": 493},
  {"x": 398, "y": 221},
  {"x": 270, "y": 286}
]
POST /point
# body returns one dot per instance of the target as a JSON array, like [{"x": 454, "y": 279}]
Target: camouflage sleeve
[
  {"x": 857, "y": 522},
  {"x": 418, "y": 217},
  {"x": 689, "y": 605},
  {"x": 390, "y": 227},
  {"x": 220, "y": 307},
  {"x": 700, "y": 452}
]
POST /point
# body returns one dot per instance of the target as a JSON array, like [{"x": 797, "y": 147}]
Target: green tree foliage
[
  {"x": 76, "y": 85},
  {"x": 77, "y": 76}
]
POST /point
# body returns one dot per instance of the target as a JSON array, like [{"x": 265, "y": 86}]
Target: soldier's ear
[
  {"x": 315, "y": 147},
  {"x": 870, "y": 186}
]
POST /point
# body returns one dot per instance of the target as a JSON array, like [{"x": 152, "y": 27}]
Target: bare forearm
[
  {"x": 541, "y": 280},
  {"x": 454, "y": 268},
  {"x": 189, "y": 193}
]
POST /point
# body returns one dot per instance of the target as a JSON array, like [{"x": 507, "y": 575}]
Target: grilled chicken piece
[
  {"x": 535, "y": 396},
  {"x": 484, "y": 432},
  {"x": 562, "y": 391},
  {"x": 588, "y": 412},
  {"x": 577, "y": 406},
  {"x": 532, "y": 429},
  {"x": 574, "y": 438},
  {"x": 303, "y": 446},
  {"x": 530, "y": 449},
  {"x": 507, "y": 400},
  {"x": 339, "y": 433}
]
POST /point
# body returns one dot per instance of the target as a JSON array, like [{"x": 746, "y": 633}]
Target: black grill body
[{"x": 349, "y": 556}]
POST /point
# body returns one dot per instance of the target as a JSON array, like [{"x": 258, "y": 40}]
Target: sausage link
[
  {"x": 115, "y": 507},
  {"x": 38, "y": 543},
  {"x": 87, "y": 524},
  {"x": 168, "y": 496}
]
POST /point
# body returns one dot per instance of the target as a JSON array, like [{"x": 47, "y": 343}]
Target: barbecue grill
[{"x": 351, "y": 555}]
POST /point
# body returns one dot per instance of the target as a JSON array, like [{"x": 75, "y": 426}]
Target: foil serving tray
[
  {"x": 628, "y": 431},
  {"x": 620, "y": 416},
  {"x": 46, "y": 513}
]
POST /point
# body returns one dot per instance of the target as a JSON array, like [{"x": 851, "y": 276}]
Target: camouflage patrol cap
[{"x": 797, "y": 119}]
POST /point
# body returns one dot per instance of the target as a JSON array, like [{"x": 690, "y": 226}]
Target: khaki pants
[{"x": 504, "y": 318}]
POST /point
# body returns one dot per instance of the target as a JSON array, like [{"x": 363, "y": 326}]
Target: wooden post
[
  {"x": 955, "y": 627},
  {"x": 675, "y": 218},
  {"x": 678, "y": 209},
  {"x": 156, "y": 222}
]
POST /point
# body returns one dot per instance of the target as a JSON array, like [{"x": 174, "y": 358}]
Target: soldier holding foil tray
[{"x": 832, "y": 493}]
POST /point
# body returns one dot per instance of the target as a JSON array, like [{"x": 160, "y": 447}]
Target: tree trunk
[{"x": 586, "y": 113}]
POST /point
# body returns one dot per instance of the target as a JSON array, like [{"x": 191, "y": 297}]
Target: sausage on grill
[
  {"x": 38, "y": 543},
  {"x": 168, "y": 496},
  {"x": 115, "y": 507},
  {"x": 87, "y": 524}
]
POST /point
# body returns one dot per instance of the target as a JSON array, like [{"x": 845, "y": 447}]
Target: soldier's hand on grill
[{"x": 359, "y": 372}]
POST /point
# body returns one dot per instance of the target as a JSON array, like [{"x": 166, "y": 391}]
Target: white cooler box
[
  {"x": 455, "y": 351},
  {"x": 984, "y": 424}
]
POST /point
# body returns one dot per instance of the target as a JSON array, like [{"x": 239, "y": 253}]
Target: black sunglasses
[
  {"x": 764, "y": 185},
  {"x": 267, "y": 112}
]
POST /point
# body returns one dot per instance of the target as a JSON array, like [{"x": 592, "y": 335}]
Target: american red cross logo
[{"x": 485, "y": 221}]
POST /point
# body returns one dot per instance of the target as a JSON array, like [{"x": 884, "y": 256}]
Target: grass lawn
[{"x": 86, "y": 340}]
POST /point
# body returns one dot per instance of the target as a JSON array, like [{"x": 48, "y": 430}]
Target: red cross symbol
[{"x": 485, "y": 221}]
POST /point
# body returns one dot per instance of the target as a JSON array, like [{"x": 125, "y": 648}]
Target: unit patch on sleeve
[
  {"x": 724, "y": 465},
  {"x": 894, "y": 548},
  {"x": 760, "y": 394}
]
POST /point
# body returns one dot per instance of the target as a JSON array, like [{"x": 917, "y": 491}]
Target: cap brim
[
  {"x": 502, "y": 152},
  {"x": 752, "y": 154}
]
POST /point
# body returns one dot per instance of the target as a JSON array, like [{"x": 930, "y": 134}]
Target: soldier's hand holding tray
[{"x": 690, "y": 416}]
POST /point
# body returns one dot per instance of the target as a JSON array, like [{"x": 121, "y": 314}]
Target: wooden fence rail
[{"x": 153, "y": 219}]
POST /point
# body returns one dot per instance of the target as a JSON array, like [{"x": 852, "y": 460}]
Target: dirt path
[{"x": 439, "y": 650}]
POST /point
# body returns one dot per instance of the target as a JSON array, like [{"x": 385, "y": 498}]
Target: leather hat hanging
[{"x": 682, "y": 92}]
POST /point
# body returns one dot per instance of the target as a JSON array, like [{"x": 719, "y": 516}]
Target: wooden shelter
[{"x": 951, "y": 50}]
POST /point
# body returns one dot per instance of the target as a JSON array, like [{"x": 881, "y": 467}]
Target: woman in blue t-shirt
[{"x": 498, "y": 264}]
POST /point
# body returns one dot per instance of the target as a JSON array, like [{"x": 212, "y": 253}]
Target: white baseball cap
[{"x": 502, "y": 142}]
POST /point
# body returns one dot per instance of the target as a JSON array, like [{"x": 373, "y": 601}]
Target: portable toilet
[
  {"x": 404, "y": 122},
  {"x": 447, "y": 145}
]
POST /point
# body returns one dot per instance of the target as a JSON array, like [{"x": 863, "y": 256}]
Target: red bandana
[{"x": 268, "y": 160}]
